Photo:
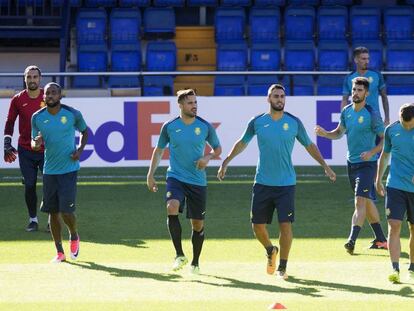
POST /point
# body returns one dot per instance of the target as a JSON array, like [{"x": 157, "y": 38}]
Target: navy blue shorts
[
  {"x": 399, "y": 202},
  {"x": 30, "y": 163},
  {"x": 266, "y": 199},
  {"x": 59, "y": 193},
  {"x": 193, "y": 197},
  {"x": 362, "y": 178}
]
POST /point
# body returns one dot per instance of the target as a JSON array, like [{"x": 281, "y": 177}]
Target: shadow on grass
[
  {"x": 127, "y": 273},
  {"x": 405, "y": 291}
]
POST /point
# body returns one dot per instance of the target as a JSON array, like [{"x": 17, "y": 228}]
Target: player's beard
[
  {"x": 191, "y": 114},
  {"x": 279, "y": 107},
  {"x": 357, "y": 100},
  {"x": 32, "y": 86},
  {"x": 52, "y": 105}
]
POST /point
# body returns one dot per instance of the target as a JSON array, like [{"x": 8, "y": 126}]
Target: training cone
[{"x": 276, "y": 306}]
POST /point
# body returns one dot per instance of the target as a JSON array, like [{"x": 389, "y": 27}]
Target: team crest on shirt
[
  {"x": 42, "y": 104},
  {"x": 168, "y": 194},
  {"x": 387, "y": 212},
  {"x": 361, "y": 119},
  {"x": 197, "y": 131},
  {"x": 63, "y": 120},
  {"x": 370, "y": 79},
  {"x": 285, "y": 126}
]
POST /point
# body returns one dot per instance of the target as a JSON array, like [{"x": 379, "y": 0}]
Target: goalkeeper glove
[{"x": 10, "y": 153}]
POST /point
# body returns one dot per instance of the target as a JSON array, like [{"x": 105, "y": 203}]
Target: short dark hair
[
  {"x": 407, "y": 112},
  {"x": 32, "y": 67},
  {"x": 361, "y": 81},
  {"x": 359, "y": 50},
  {"x": 53, "y": 84},
  {"x": 274, "y": 87},
  {"x": 182, "y": 94}
]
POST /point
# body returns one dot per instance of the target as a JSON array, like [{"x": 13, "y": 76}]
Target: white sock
[{"x": 33, "y": 219}]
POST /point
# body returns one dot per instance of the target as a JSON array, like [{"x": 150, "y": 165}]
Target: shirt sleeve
[
  {"x": 345, "y": 87},
  {"x": 376, "y": 123},
  {"x": 302, "y": 136},
  {"x": 11, "y": 118},
  {"x": 387, "y": 140},
  {"x": 35, "y": 129},
  {"x": 249, "y": 132},
  {"x": 164, "y": 139},
  {"x": 80, "y": 123},
  {"x": 212, "y": 137},
  {"x": 381, "y": 81}
]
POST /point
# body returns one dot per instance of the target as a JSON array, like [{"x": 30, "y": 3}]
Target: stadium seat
[
  {"x": 159, "y": 22},
  {"x": 209, "y": 3},
  {"x": 125, "y": 57},
  {"x": 299, "y": 23},
  {"x": 100, "y": 3},
  {"x": 303, "y": 85},
  {"x": 269, "y": 3},
  {"x": 134, "y": 3},
  {"x": 125, "y": 25},
  {"x": 264, "y": 24},
  {"x": 400, "y": 55},
  {"x": 258, "y": 85},
  {"x": 164, "y": 3},
  {"x": 229, "y": 86},
  {"x": 398, "y": 22},
  {"x": 332, "y": 23},
  {"x": 225, "y": 3},
  {"x": 229, "y": 24},
  {"x": 303, "y": 2},
  {"x": 232, "y": 56},
  {"x": 330, "y": 85},
  {"x": 375, "y": 48},
  {"x": 400, "y": 85},
  {"x": 333, "y": 55},
  {"x": 265, "y": 56},
  {"x": 91, "y": 26},
  {"x": 91, "y": 58},
  {"x": 158, "y": 86},
  {"x": 336, "y": 2},
  {"x": 365, "y": 22},
  {"x": 286, "y": 82},
  {"x": 161, "y": 56},
  {"x": 299, "y": 55},
  {"x": 72, "y": 3}
]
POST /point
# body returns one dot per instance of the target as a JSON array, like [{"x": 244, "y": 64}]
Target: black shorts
[
  {"x": 362, "y": 177},
  {"x": 193, "y": 197},
  {"x": 399, "y": 202},
  {"x": 30, "y": 163},
  {"x": 59, "y": 193},
  {"x": 266, "y": 199}
]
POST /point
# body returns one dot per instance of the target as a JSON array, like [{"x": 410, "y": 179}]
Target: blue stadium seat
[
  {"x": 175, "y": 3},
  {"x": 232, "y": 56},
  {"x": 161, "y": 56},
  {"x": 264, "y": 24},
  {"x": 23, "y": 3},
  {"x": 330, "y": 85},
  {"x": 229, "y": 24},
  {"x": 91, "y": 26},
  {"x": 100, "y": 3},
  {"x": 269, "y": 3},
  {"x": 336, "y": 2},
  {"x": 303, "y": 85},
  {"x": 299, "y": 55},
  {"x": 332, "y": 22},
  {"x": 91, "y": 58},
  {"x": 72, "y": 3},
  {"x": 400, "y": 85},
  {"x": 133, "y": 3},
  {"x": 210, "y": 3},
  {"x": 286, "y": 82},
  {"x": 125, "y": 25},
  {"x": 400, "y": 56},
  {"x": 299, "y": 23},
  {"x": 158, "y": 86},
  {"x": 159, "y": 22},
  {"x": 409, "y": 1},
  {"x": 265, "y": 56},
  {"x": 303, "y": 2},
  {"x": 333, "y": 55},
  {"x": 229, "y": 86},
  {"x": 258, "y": 85},
  {"x": 125, "y": 57},
  {"x": 375, "y": 48},
  {"x": 236, "y": 3},
  {"x": 365, "y": 22},
  {"x": 399, "y": 22}
]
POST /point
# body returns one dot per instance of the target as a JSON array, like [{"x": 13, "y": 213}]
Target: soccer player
[
  {"x": 376, "y": 83},
  {"x": 55, "y": 126},
  {"x": 399, "y": 141},
  {"x": 186, "y": 136},
  {"x": 275, "y": 180},
  {"x": 23, "y": 105},
  {"x": 362, "y": 124}
]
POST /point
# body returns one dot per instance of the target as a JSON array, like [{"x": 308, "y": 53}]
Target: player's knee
[
  {"x": 394, "y": 226},
  {"x": 173, "y": 207}
]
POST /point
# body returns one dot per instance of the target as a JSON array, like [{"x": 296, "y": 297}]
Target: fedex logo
[
  {"x": 137, "y": 130},
  {"x": 325, "y": 109}
]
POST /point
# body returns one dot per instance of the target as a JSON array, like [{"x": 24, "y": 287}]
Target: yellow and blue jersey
[
  {"x": 58, "y": 133},
  {"x": 187, "y": 143},
  {"x": 362, "y": 128},
  {"x": 276, "y": 139},
  {"x": 400, "y": 142},
  {"x": 376, "y": 84}
]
